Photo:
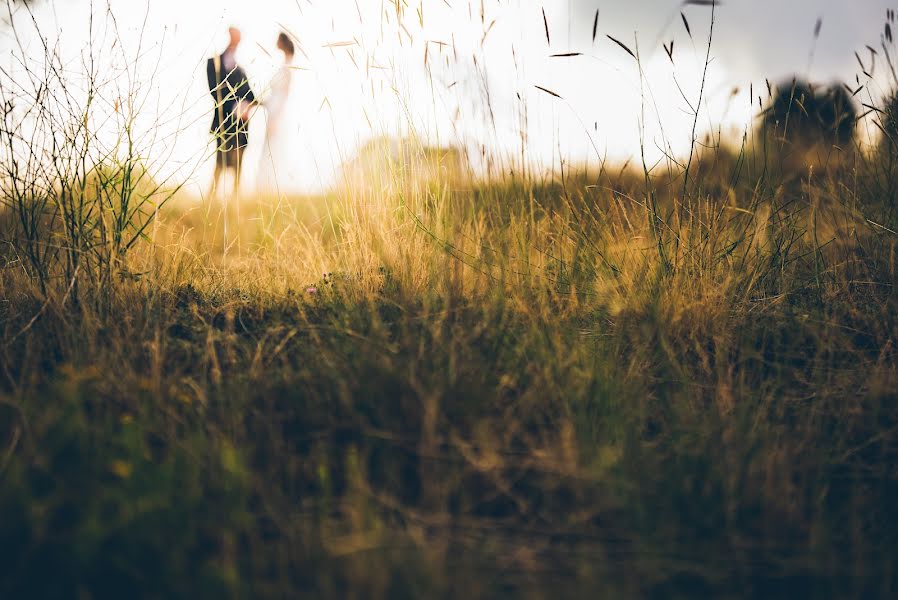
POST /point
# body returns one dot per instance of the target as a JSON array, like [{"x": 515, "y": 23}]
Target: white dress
[{"x": 276, "y": 174}]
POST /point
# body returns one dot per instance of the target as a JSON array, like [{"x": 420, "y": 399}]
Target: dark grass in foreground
[{"x": 518, "y": 389}]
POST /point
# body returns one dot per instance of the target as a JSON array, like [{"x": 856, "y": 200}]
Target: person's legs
[
  {"x": 229, "y": 163},
  {"x": 238, "y": 168},
  {"x": 226, "y": 168},
  {"x": 229, "y": 159},
  {"x": 216, "y": 176}
]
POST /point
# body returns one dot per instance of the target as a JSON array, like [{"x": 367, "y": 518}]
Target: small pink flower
[{"x": 311, "y": 290}]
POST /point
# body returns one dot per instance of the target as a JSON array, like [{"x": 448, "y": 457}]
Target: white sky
[{"x": 379, "y": 85}]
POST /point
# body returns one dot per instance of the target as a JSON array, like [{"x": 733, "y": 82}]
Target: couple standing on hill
[{"x": 235, "y": 104}]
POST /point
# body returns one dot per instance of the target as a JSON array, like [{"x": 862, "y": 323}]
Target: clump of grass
[
  {"x": 78, "y": 190},
  {"x": 446, "y": 385}
]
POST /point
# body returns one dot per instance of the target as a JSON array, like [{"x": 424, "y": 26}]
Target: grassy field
[{"x": 593, "y": 385}]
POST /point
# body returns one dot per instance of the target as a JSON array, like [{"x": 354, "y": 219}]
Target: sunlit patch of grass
[{"x": 425, "y": 382}]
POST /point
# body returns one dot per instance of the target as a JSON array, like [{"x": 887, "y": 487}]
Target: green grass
[
  {"x": 668, "y": 382},
  {"x": 519, "y": 388}
]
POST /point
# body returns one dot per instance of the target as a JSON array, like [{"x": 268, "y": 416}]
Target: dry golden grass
[
  {"x": 397, "y": 384},
  {"x": 646, "y": 384}
]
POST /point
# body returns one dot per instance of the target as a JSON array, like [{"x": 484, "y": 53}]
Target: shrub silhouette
[{"x": 802, "y": 113}]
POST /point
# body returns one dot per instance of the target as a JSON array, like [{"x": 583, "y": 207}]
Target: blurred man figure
[{"x": 234, "y": 102}]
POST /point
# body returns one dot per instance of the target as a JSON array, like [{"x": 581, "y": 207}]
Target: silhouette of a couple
[{"x": 235, "y": 104}]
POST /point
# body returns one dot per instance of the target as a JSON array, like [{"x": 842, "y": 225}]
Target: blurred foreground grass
[{"x": 590, "y": 386}]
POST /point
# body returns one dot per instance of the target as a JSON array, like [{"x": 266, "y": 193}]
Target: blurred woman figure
[{"x": 274, "y": 169}]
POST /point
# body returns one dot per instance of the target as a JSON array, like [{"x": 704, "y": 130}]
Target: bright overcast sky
[{"x": 363, "y": 74}]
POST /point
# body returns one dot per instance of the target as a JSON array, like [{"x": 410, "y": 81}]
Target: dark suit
[{"x": 231, "y": 132}]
